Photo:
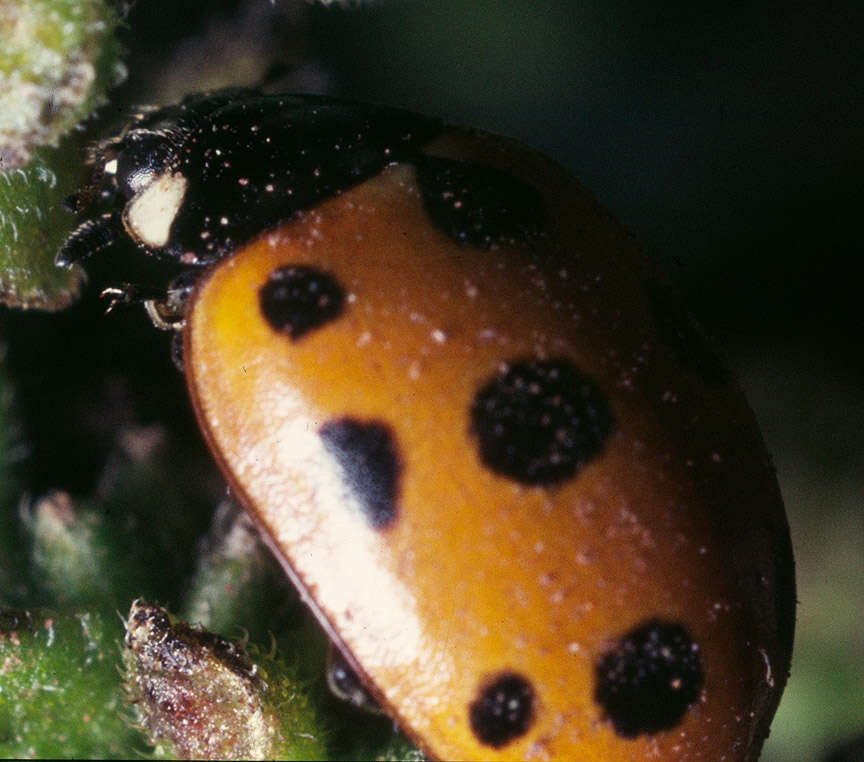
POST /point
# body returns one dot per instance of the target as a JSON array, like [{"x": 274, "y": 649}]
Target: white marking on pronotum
[{"x": 148, "y": 216}]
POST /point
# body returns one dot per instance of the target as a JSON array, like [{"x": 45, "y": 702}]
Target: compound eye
[{"x": 137, "y": 165}]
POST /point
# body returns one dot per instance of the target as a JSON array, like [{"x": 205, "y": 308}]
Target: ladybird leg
[
  {"x": 130, "y": 293},
  {"x": 165, "y": 307},
  {"x": 345, "y": 684},
  {"x": 154, "y": 300},
  {"x": 89, "y": 237}
]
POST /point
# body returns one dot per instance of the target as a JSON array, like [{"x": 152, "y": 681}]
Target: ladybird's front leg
[
  {"x": 130, "y": 293},
  {"x": 165, "y": 306},
  {"x": 90, "y": 236}
]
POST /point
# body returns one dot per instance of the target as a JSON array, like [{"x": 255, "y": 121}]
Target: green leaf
[
  {"x": 32, "y": 227},
  {"x": 59, "y": 691}
]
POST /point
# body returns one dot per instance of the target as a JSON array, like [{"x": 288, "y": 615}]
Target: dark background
[{"x": 728, "y": 140}]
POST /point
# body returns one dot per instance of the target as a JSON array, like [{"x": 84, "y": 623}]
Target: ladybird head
[
  {"x": 137, "y": 188},
  {"x": 189, "y": 183}
]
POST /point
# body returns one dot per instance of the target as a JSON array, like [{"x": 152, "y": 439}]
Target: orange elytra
[{"x": 496, "y": 456}]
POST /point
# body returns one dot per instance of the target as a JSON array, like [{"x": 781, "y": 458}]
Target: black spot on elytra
[
  {"x": 503, "y": 709},
  {"x": 297, "y": 299},
  {"x": 682, "y": 334},
  {"x": 540, "y": 421},
  {"x": 648, "y": 679},
  {"x": 478, "y": 205},
  {"x": 369, "y": 465}
]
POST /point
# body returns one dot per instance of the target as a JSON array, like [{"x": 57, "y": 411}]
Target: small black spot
[
  {"x": 683, "y": 335},
  {"x": 540, "y": 421},
  {"x": 297, "y": 299},
  {"x": 648, "y": 679},
  {"x": 503, "y": 709},
  {"x": 479, "y": 205},
  {"x": 367, "y": 457}
]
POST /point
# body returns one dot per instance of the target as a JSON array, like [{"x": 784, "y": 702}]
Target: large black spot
[
  {"x": 683, "y": 335},
  {"x": 369, "y": 464},
  {"x": 540, "y": 421},
  {"x": 503, "y": 709},
  {"x": 297, "y": 299},
  {"x": 648, "y": 679},
  {"x": 478, "y": 205}
]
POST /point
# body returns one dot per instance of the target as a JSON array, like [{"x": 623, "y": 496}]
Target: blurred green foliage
[
  {"x": 32, "y": 227},
  {"x": 58, "y": 687},
  {"x": 57, "y": 59}
]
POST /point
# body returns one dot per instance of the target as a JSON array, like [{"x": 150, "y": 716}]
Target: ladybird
[{"x": 492, "y": 450}]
